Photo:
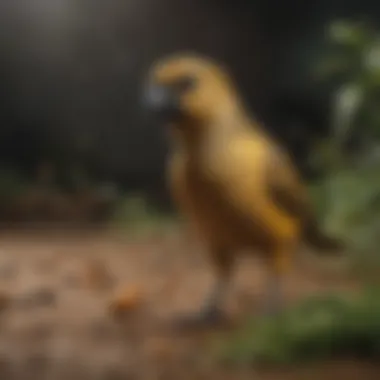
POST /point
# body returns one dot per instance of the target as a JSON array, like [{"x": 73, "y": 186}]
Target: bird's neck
[{"x": 197, "y": 140}]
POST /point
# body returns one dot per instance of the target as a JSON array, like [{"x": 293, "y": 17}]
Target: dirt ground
[{"x": 61, "y": 294}]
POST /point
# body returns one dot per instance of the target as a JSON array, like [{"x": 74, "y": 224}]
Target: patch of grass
[
  {"x": 135, "y": 214},
  {"x": 323, "y": 327}
]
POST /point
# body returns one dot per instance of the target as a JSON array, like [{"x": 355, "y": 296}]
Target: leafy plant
[
  {"x": 347, "y": 200},
  {"x": 348, "y": 197},
  {"x": 139, "y": 217},
  {"x": 322, "y": 327}
]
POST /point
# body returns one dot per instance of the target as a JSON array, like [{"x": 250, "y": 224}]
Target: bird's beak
[{"x": 161, "y": 100}]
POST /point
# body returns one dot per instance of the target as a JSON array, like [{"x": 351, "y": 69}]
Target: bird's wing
[{"x": 285, "y": 187}]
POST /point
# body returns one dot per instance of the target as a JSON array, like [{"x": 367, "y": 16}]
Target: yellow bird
[{"x": 229, "y": 178}]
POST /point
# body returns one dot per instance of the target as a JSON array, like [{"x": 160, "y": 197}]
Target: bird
[{"x": 235, "y": 185}]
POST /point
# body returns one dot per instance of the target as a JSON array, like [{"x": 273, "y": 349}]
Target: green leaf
[
  {"x": 348, "y": 100},
  {"x": 348, "y": 34}
]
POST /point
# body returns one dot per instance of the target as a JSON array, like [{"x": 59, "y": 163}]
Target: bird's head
[{"x": 189, "y": 89}]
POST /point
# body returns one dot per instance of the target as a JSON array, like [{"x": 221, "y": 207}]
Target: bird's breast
[{"x": 208, "y": 194}]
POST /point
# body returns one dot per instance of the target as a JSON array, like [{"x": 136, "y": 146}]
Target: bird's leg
[
  {"x": 211, "y": 311},
  {"x": 212, "y": 308},
  {"x": 279, "y": 265}
]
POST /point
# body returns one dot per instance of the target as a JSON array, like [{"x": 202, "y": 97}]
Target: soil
[{"x": 102, "y": 305}]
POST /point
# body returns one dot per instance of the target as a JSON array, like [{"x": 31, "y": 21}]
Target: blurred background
[
  {"x": 71, "y": 73},
  {"x": 76, "y": 148}
]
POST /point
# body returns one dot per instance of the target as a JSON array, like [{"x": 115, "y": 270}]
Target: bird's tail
[{"x": 316, "y": 238}]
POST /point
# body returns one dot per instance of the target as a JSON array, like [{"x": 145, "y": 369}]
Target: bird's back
[{"x": 224, "y": 194}]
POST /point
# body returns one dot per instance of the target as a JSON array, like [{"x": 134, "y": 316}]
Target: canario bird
[{"x": 235, "y": 185}]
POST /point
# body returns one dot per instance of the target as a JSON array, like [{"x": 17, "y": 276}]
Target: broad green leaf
[{"x": 348, "y": 100}]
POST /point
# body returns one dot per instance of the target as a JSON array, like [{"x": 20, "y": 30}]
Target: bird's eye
[{"x": 185, "y": 84}]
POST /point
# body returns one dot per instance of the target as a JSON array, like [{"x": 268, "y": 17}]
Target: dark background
[{"x": 70, "y": 73}]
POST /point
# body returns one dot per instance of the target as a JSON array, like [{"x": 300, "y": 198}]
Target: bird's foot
[{"x": 208, "y": 317}]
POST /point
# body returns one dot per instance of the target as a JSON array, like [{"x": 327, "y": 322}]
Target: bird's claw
[{"x": 205, "y": 318}]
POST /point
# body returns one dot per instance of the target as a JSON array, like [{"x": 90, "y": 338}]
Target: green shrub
[
  {"x": 347, "y": 198},
  {"x": 139, "y": 217},
  {"x": 322, "y": 327},
  {"x": 348, "y": 204}
]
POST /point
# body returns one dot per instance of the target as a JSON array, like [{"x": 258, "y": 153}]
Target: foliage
[
  {"x": 347, "y": 200},
  {"x": 11, "y": 184},
  {"x": 348, "y": 197},
  {"x": 319, "y": 328},
  {"x": 349, "y": 207},
  {"x": 139, "y": 217},
  {"x": 352, "y": 64}
]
